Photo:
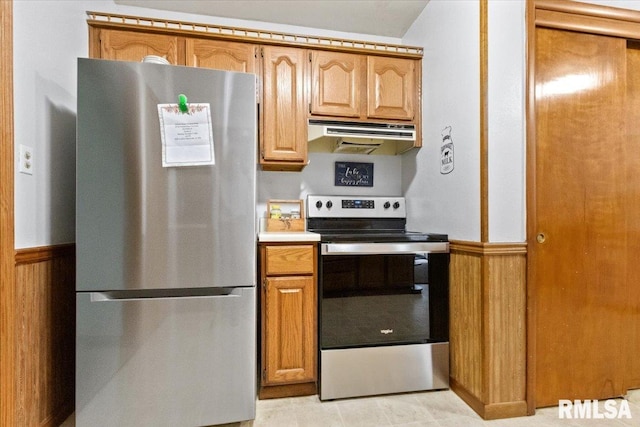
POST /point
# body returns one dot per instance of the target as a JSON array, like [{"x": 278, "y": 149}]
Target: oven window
[{"x": 377, "y": 300}]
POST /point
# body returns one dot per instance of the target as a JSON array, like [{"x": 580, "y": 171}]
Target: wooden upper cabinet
[
  {"x": 336, "y": 83},
  {"x": 134, "y": 46},
  {"x": 363, "y": 87},
  {"x": 392, "y": 88},
  {"x": 283, "y": 112},
  {"x": 220, "y": 55},
  {"x": 293, "y": 83}
]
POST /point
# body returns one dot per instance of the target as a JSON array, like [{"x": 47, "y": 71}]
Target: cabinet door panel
[
  {"x": 336, "y": 80},
  {"x": 290, "y": 330},
  {"x": 284, "y": 114},
  {"x": 391, "y": 86},
  {"x": 219, "y": 55},
  {"x": 134, "y": 46},
  {"x": 295, "y": 259}
]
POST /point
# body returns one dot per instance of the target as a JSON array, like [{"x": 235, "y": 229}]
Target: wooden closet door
[
  {"x": 631, "y": 150},
  {"x": 584, "y": 250}
]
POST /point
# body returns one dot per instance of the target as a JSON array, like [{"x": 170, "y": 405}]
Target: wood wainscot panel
[
  {"x": 465, "y": 296},
  {"x": 488, "y": 327},
  {"x": 45, "y": 311}
]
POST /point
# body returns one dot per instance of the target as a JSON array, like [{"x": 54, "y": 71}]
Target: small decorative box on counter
[{"x": 285, "y": 215}]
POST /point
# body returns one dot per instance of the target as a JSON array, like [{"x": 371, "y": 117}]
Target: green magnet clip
[{"x": 182, "y": 103}]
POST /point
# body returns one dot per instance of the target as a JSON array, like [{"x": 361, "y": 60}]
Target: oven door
[{"x": 381, "y": 294}]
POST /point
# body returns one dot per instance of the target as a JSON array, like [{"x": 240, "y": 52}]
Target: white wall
[
  {"x": 506, "y": 115},
  {"x": 449, "y": 32},
  {"x": 48, "y": 37}
]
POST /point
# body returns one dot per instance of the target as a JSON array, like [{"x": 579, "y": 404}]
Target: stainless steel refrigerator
[{"x": 166, "y": 246}]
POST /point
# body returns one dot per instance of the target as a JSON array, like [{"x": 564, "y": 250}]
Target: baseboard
[
  {"x": 468, "y": 397},
  {"x": 491, "y": 411},
  {"x": 495, "y": 411},
  {"x": 289, "y": 390}
]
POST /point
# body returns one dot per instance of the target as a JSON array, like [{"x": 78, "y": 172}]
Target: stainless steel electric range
[{"x": 383, "y": 296}]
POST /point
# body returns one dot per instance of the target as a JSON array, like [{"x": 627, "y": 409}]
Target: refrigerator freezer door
[
  {"x": 141, "y": 225},
  {"x": 187, "y": 361}
]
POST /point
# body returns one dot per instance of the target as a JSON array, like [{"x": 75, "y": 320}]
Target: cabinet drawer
[{"x": 293, "y": 259}]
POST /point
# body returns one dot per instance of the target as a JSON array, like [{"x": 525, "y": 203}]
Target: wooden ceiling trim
[{"x": 107, "y": 20}]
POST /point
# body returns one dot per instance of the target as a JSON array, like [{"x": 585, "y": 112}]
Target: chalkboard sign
[{"x": 351, "y": 174}]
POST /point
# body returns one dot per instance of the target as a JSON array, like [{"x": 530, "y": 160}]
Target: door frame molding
[
  {"x": 7, "y": 240},
  {"x": 572, "y": 16}
]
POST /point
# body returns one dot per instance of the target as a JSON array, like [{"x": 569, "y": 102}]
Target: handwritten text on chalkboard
[{"x": 350, "y": 174}]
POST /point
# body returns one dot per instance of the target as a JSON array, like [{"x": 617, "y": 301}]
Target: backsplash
[{"x": 318, "y": 178}]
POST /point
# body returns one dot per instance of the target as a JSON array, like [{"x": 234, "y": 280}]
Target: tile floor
[{"x": 427, "y": 409}]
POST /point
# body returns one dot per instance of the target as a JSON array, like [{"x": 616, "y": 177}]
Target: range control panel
[{"x": 355, "y": 207}]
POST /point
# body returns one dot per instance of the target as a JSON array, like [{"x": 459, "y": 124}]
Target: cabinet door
[
  {"x": 392, "y": 87},
  {"x": 284, "y": 133},
  {"x": 290, "y": 339},
  {"x": 134, "y": 46},
  {"x": 336, "y": 80},
  {"x": 220, "y": 55}
]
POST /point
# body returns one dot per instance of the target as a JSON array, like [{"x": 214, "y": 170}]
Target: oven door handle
[{"x": 388, "y": 248}]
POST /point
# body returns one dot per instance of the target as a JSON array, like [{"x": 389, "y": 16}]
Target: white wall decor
[{"x": 446, "y": 152}]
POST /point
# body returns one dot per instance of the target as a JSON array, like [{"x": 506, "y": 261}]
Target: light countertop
[{"x": 293, "y": 236}]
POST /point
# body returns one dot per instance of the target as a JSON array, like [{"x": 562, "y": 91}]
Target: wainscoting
[
  {"x": 488, "y": 330},
  {"x": 45, "y": 313},
  {"x": 488, "y": 327}
]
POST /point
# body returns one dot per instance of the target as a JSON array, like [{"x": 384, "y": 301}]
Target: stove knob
[
  {"x": 318, "y": 204},
  {"x": 387, "y": 205},
  {"x": 329, "y": 204},
  {"x": 396, "y": 205}
]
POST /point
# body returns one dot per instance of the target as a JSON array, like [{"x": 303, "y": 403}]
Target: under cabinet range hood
[{"x": 360, "y": 137}]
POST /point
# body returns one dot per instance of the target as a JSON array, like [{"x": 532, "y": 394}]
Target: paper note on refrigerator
[{"x": 187, "y": 138}]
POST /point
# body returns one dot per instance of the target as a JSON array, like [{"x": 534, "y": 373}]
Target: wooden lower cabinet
[{"x": 288, "y": 314}]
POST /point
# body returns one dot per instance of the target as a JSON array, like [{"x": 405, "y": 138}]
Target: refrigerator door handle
[{"x": 164, "y": 294}]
